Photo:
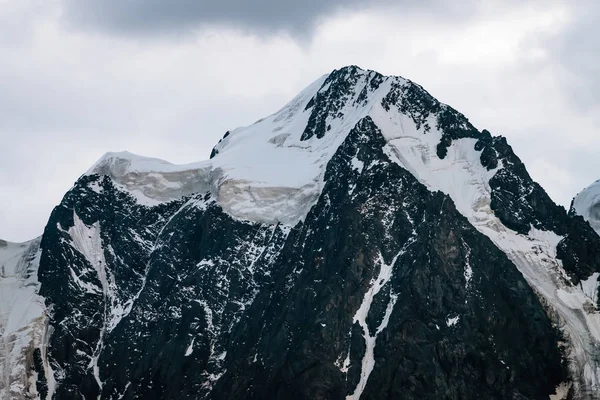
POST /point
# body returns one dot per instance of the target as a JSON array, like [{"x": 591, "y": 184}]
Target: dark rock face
[
  {"x": 215, "y": 151},
  {"x": 41, "y": 384},
  {"x": 80, "y": 309},
  {"x": 204, "y": 272},
  {"x": 341, "y": 85},
  {"x": 384, "y": 290}
]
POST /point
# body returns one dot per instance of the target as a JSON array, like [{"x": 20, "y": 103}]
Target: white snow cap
[
  {"x": 263, "y": 172},
  {"x": 587, "y": 204}
]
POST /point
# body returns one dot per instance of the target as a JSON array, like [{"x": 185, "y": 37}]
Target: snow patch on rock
[
  {"x": 190, "y": 348},
  {"x": 452, "y": 321},
  {"x": 376, "y": 284},
  {"x": 561, "y": 392},
  {"x": 87, "y": 241}
]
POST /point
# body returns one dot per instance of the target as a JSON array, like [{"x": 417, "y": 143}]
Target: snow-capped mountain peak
[
  {"x": 365, "y": 240},
  {"x": 587, "y": 204},
  {"x": 294, "y": 146}
]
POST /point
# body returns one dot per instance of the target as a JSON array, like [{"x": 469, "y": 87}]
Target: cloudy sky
[{"x": 166, "y": 79}]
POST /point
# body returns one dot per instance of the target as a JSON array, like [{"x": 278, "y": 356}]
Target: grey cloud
[
  {"x": 260, "y": 16},
  {"x": 67, "y": 96},
  {"x": 576, "y": 50},
  {"x": 147, "y": 16}
]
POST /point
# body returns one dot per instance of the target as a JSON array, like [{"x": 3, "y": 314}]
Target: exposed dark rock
[
  {"x": 41, "y": 384},
  {"x": 336, "y": 91}
]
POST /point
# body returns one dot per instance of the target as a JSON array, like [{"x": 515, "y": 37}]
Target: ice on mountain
[{"x": 263, "y": 172}]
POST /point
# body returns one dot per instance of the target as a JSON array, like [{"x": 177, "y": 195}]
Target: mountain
[{"x": 365, "y": 241}]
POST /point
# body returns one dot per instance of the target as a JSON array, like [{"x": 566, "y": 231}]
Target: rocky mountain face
[{"x": 365, "y": 241}]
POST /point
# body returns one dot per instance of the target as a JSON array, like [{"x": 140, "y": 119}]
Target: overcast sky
[{"x": 166, "y": 79}]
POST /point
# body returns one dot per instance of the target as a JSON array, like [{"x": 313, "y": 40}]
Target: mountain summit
[{"x": 365, "y": 241}]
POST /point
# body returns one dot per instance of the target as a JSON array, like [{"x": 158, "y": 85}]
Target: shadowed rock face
[{"x": 425, "y": 264}]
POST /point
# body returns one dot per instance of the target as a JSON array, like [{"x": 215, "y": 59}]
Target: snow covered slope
[
  {"x": 587, "y": 204},
  {"x": 266, "y": 172},
  {"x": 21, "y": 318}
]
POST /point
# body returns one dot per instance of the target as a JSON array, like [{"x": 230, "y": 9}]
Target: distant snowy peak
[
  {"x": 21, "y": 317},
  {"x": 16, "y": 259},
  {"x": 587, "y": 204}
]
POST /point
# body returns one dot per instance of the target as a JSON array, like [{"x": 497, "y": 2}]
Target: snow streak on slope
[
  {"x": 21, "y": 318},
  {"x": 587, "y": 204},
  {"x": 368, "y": 361},
  {"x": 87, "y": 241},
  {"x": 461, "y": 176}
]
